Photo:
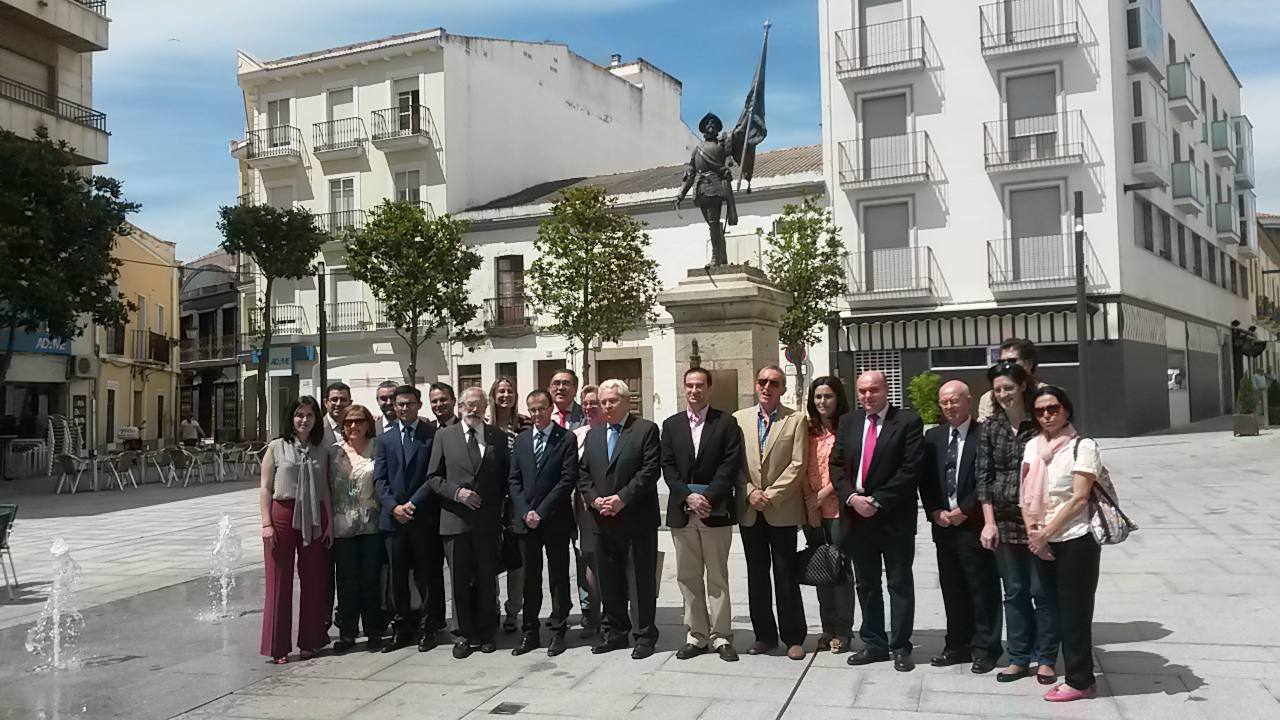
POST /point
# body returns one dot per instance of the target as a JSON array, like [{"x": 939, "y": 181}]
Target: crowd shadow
[{"x": 1140, "y": 672}]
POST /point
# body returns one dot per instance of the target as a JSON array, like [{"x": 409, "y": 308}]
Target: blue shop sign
[
  {"x": 281, "y": 357},
  {"x": 35, "y": 342}
]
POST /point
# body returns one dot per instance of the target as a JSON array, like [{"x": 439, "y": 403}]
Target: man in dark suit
[
  {"x": 701, "y": 460},
  {"x": 876, "y": 465},
  {"x": 565, "y": 410},
  {"x": 618, "y": 479},
  {"x": 544, "y": 473},
  {"x": 966, "y": 571},
  {"x": 468, "y": 472},
  {"x": 443, "y": 405},
  {"x": 411, "y": 523}
]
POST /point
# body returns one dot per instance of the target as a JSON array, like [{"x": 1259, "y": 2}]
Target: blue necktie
[
  {"x": 614, "y": 432},
  {"x": 539, "y": 447},
  {"x": 404, "y": 434}
]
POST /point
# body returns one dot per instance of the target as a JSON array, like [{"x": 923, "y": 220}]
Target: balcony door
[
  {"x": 341, "y": 105},
  {"x": 348, "y": 311},
  {"x": 1031, "y": 116},
  {"x": 1037, "y": 247},
  {"x": 886, "y": 149},
  {"x": 408, "y": 119},
  {"x": 509, "y": 308},
  {"x": 880, "y": 40},
  {"x": 342, "y": 203},
  {"x": 278, "y": 123},
  {"x": 886, "y": 240}
]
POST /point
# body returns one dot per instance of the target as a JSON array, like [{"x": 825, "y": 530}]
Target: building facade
[
  {"x": 956, "y": 140},
  {"x": 1264, "y": 273},
  {"x": 446, "y": 121},
  {"x": 210, "y": 345}
]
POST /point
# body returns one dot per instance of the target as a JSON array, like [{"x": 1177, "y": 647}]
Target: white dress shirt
[
  {"x": 862, "y": 440},
  {"x": 477, "y": 426},
  {"x": 697, "y": 420},
  {"x": 964, "y": 434}
]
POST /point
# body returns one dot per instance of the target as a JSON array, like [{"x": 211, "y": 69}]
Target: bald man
[
  {"x": 875, "y": 466},
  {"x": 966, "y": 572}
]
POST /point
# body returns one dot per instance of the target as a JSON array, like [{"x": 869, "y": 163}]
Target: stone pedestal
[{"x": 732, "y": 313}]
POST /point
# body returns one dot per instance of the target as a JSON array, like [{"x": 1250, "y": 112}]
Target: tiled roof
[{"x": 774, "y": 163}]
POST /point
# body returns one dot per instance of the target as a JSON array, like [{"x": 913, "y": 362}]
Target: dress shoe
[
  {"x": 488, "y": 646},
  {"x": 397, "y": 642},
  {"x": 824, "y": 641},
  {"x": 343, "y": 645},
  {"x": 641, "y": 651},
  {"x": 902, "y": 662},
  {"x": 762, "y": 648},
  {"x": 950, "y": 657},
  {"x": 795, "y": 652},
  {"x": 982, "y": 665},
  {"x": 461, "y": 649},
  {"x": 867, "y": 656},
  {"x": 1066, "y": 693},
  {"x": 376, "y": 644},
  {"x": 509, "y": 624},
  {"x": 428, "y": 642},
  {"x": 556, "y": 646},
  {"x": 609, "y": 646},
  {"x": 1046, "y": 678},
  {"x": 528, "y": 643},
  {"x": 690, "y": 651},
  {"x": 1010, "y": 675},
  {"x": 727, "y": 653}
]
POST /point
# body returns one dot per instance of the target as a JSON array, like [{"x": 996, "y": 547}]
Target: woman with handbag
[
  {"x": 827, "y": 403},
  {"x": 503, "y": 415},
  {"x": 1030, "y": 597},
  {"x": 1060, "y": 470}
]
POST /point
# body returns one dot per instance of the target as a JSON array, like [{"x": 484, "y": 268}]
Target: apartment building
[
  {"x": 956, "y": 137},
  {"x": 210, "y": 345},
  {"x": 1264, "y": 273},
  {"x": 447, "y": 121}
]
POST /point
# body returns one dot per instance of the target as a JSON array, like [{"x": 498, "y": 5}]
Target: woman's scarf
[
  {"x": 1035, "y": 474},
  {"x": 306, "y": 509}
]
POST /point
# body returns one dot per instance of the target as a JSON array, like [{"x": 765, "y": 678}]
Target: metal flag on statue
[{"x": 750, "y": 130}]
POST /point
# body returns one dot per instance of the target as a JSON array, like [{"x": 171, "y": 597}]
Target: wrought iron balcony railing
[
  {"x": 343, "y": 134},
  {"x": 41, "y": 100},
  {"x": 274, "y": 142},
  {"x": 884, "y": 47},
  {"x": 1016, "y": 25},
  {"x": 891, "y": 160},
  {"x": 403, "y": 121},
  {"x": 892, "y": 272},
  {"x": 1041, "y": 262},
  {"x": 1039, "y": 141}
]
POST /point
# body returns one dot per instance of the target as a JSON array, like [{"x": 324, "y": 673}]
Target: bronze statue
[{"x": 710, "y": 176}]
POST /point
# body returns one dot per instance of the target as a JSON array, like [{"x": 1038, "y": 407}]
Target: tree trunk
[
  {"x": 7, "y": 359},
  {"x": 264, "y": 360},
  {"x": 586, "y": 361},
  {"x": 411, "y": 373}
]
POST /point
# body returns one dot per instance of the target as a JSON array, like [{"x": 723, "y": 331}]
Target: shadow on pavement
[
  {"x": 35, "y": 498},
  {"x": 1139, "y": 672}
]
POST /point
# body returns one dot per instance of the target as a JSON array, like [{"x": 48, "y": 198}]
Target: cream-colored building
[{"x": 1264, "y": 272}]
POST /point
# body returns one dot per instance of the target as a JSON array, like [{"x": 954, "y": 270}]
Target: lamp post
[{"x": 1082, "y": 304}]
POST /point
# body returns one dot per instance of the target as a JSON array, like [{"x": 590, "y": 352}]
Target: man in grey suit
[
  {"x": 618, "y": 479},
  {"x": 468, "y": 470}
]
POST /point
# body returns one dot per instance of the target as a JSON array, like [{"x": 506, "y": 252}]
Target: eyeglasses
[
  {"x": 1048, "y": 410},
  {"x": 768, "y": 382},
  {"x": 357, "y": 421}
]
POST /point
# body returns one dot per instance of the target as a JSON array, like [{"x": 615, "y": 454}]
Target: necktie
[
  {"x": 473, "y": 447},
  {"x": 614, "y": 431},
  {"x": 868, "y": 446},
  {"x": 561, "y": 417},
  {"x": 952, "y": 461},
  {"x": 539, "y": 447},
  {"x": 404, "y": 434}
]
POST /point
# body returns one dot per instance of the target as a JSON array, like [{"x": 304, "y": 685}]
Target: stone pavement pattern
[{"x": 1185, "y": 627}]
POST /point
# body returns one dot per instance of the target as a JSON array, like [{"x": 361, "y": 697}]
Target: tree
[
  {"x": 803, "y": 257},
  {"x": 58, "y": 227},
  {"x": 592, "y": 273},
  {"x": 282, "y": 244},
  {"x": 418, "y": 268},
  {"x": 923, "y": 392}
]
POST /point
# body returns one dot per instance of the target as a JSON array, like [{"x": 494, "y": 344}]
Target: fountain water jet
[{"x": 53, "y": 637}]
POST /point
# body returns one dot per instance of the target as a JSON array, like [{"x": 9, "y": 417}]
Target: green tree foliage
[
  {"x": 923, "y": 392},
  {"x": 418, "y": 268},
  {"x": 593, "y": 273},
  {"x": 57, "y": 230},
  {"x": 1246, "y": 397},
  {"x": 282, "y": 244}
]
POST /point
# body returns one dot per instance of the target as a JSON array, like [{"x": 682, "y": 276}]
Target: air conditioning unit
[{"x": 84, "y": 366}]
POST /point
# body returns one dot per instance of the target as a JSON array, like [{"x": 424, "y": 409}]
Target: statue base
[{"x": 732, "y": 312}]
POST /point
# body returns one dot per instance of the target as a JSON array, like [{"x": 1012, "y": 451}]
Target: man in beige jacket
[{"x": 770, "y": 510}]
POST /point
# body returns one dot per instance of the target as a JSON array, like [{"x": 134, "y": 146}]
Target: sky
[{"x": 168, "y": 81}]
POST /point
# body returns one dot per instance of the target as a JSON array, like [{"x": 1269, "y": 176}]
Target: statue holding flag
[{"x": 709, "y": 173}]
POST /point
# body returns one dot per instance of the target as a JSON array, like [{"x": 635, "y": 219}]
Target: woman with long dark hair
[
  {"x": 503, "y": 415},
  {"x": 827, "y": 403},
  {"x": 294, "y": 499},
  {"x": 358, "y": 546}
]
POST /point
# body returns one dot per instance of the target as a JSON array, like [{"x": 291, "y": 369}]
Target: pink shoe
[{"x": 1066, "y": 693}]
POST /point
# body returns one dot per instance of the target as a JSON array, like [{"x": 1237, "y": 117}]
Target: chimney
[{"x": 615, "y": 60}]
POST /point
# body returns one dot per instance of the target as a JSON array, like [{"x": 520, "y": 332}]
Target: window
[
  {"x": 1173, "y": 50},
  {"x": 1182, "y": 246},
  {"x": 407, "y": 100},
  {"x": 1213, "y": 265},
  {"x": 1142, "y": 223},
  {"x": 1235, "y": 273},
  {"x": 1137, "y": 98},
  {"x": 1203, "y": 95},
  {"x": 468, "y": 376},
  {"x": 1222, "y": 276},
  {"x": 278, "y": 122},
  {"x": 509, "y": 281},
  {"x": 1244, "y": 282},
  {"x": 111, "y": 416},
  {"x": 1166, "y": 236},
  {"x": 1177, "y": 146},
  {"x": 342, "y": 195},
  {"x": 886, "y": 241},
  {"x": 142, "y": 313},
  {"x": 1208, "y": 211},
  {"x": 1197, "y": 264},
  {"x": 408, "y": 185},
  {"x": 507, "y": 370},
  {"x": 159, "y": 318}
]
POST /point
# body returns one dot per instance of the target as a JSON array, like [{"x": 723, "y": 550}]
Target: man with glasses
[
  {"x": 1017, "y": 350},
  {"x": 337, "y": 398},
  {"x": 566, "y": 412},
  {"x": 770, "y": 509}
]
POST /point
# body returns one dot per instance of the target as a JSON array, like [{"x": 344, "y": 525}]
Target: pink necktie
[{"x": 868, "y": 447}]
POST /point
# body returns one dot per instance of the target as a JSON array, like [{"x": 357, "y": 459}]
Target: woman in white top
[{"x": 1059, "y": 469}]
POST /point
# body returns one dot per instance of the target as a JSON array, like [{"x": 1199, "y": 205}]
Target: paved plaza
[{"x": 1186, "y": 625}]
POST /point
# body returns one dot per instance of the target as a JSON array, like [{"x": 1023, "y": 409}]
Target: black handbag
[{"x": 822, "y": 566}]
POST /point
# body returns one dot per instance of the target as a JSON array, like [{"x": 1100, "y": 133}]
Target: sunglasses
[
  {"x": 768, "y": 382},
  {"x": 357, "y": 421},
  {"x": 1048, "y": 410}
]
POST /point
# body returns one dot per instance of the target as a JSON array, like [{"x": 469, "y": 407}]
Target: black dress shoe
[
  {"x": 488, "y": 646},
  {"x": 642, "y": 651},
  {"x": 428, "y": 642},
  {"x": 950, "y": 657},
  {"x": 376, "y": 643},
  {"x": 609, "y": 646},
  {"x": 461, "y": 649},
  {"x": 762, "y": 647},
  {"x": 588, "y": 631},
  {"x": 689, "y": 651},
  {"x": 343, "y": 645},
  {"x": 528, "y": 643},
  {"x": 902, "y": 662},
  {"x": 556, "y": 646},
  {"x": 866, "y": 657},
  {"x": 982, "y": 665},
  {"x": 397, "y": 642},
  {"x": 727, "y": 653}
]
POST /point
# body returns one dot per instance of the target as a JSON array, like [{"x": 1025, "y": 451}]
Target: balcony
[
  {"x": 24, "y": 108},
  {"x": 340, "y": 223},
  {"x": 1244, "y": 151},
  {"x": 338, "y": 139},
  {"x": 1036, "y": 142},
  {"x": 274, "y": 147},
  {"x": 1182, "y": 92},
  {"x": 884, "y": 161},
  {"x": 1222, "y": 141},
  {"x": 408, "y": 127},
  {"x": 80, "y": 25},
  {"x": 287, "y": 319},
  {"x": 1038, "y": 265},
  {"x": 209, "y": 349},
  {"x": 1188, "y": 187},
  {"x": 150, "y": 347},
  {"x": 1225, "y": 222},
  {"x": 1246, "y": 219},
  {"x": 507, "y": 316},
  {"x": 892, "y": 276},
  {"x": 1145, "y": 36},
  {"x": 884, "y": 48},
  {"x": 1013, "y": 26},
  {"x": 1150, "y": 152},
  {"x": 352, "y": 316}
]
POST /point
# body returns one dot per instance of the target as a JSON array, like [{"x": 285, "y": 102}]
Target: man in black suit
[
  {"x": 875, "y": 465},
  {"x": 701, "y": 460},
  {"x": 468, "y": 471},
  {"x": 966, "y": 571},
  {"x": 443, "y": 405},
  {"x": 544, "y": 473},
  {"x": 411, "y": 523},
  {"x": 618, "y": 479}
]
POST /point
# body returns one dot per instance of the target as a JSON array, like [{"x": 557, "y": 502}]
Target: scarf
[
  {"x": 1035, "y": 474},
  {"x": 306, "y": 507}
]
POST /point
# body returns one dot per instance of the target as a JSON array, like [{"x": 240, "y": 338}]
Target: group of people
[{"x": 374, "y": 508}]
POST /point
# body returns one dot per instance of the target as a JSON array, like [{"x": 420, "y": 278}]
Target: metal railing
[
  {"x": 887, "y": 160},
  {"x": 225, "y": 347},
  {"x": 338, "y": 134},
  {"x": 1040, "y": 140},
  {"x": 340, "y": 222},
  {"x": 150, "y": 346},
  {"x": 98, "y": 6},
  {"x": 884, "y": 47},
  {"x": 893, "y": 272},
  {"x": 274, "y": 141},
  {"x": 351, "y": 316},
  {"x": 113, "y": 343},
  {"x": 285, "y": 320},
  {"x": 1028, "y": 24},
  {"x": 1045, "y": 261},
  {"x": 1188, "y": 181},
  {"x": 506, "y": 312},
  {"x": 41, "y": 100},
  {"x": 403, "y": 121}
]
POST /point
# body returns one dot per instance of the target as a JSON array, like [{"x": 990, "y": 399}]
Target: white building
[
  {"x": 449, "y": 121},
  {"x": 955, "y": 138}
]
